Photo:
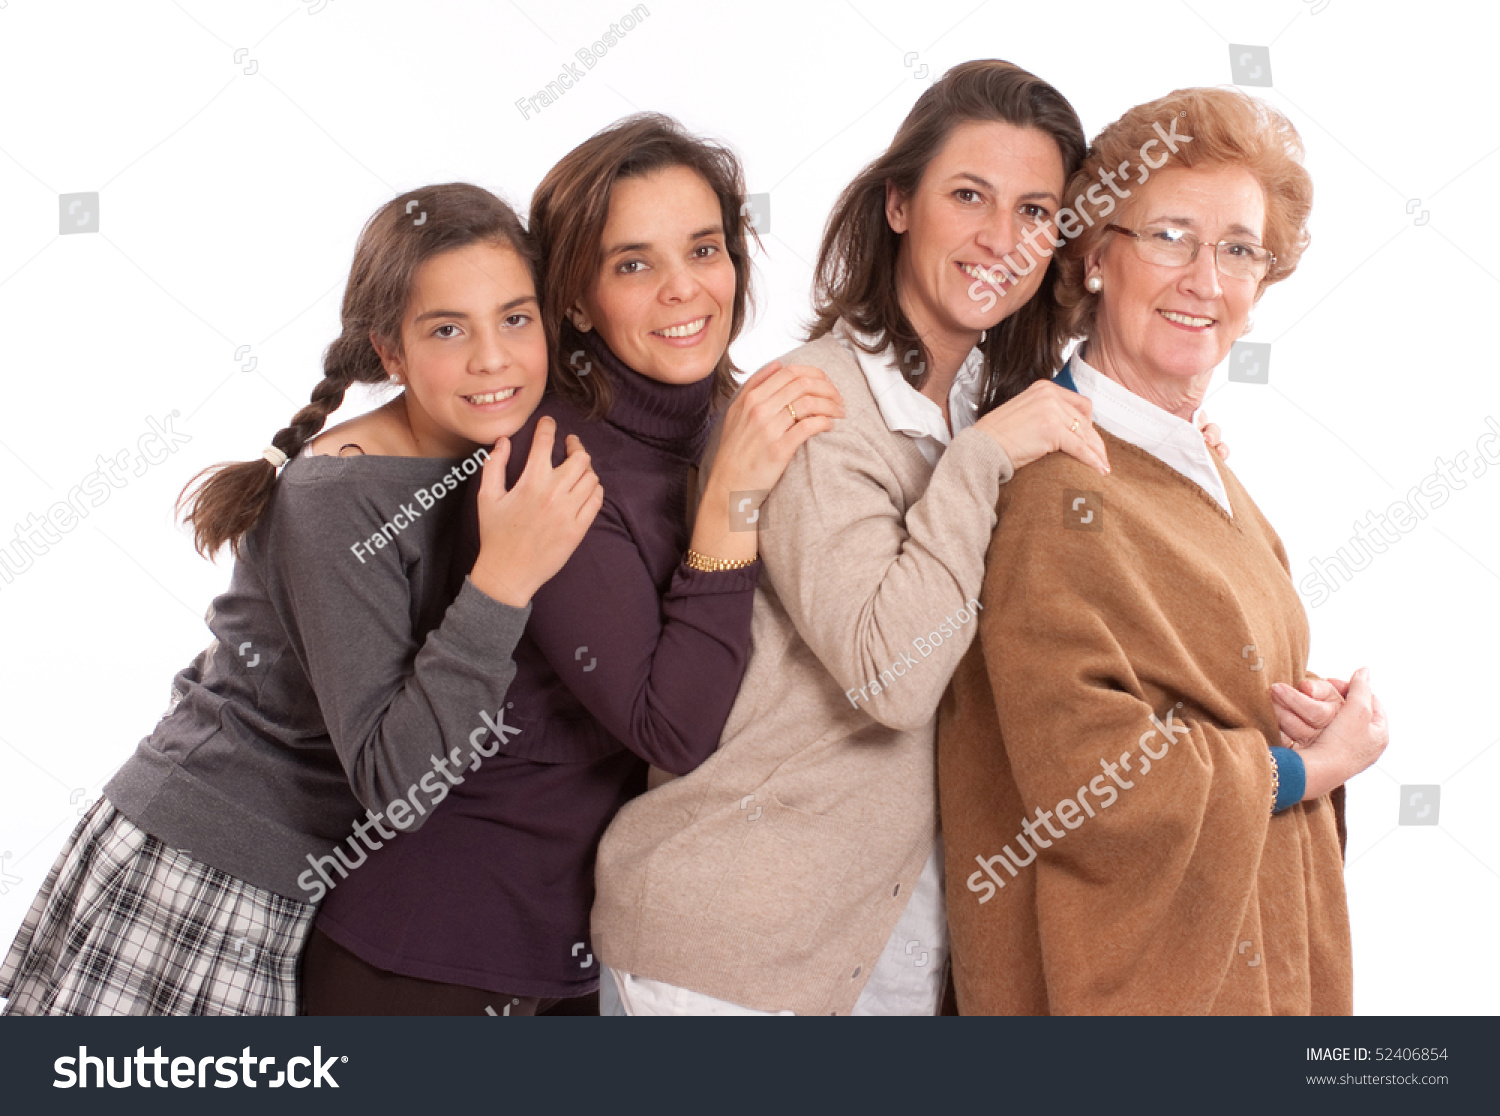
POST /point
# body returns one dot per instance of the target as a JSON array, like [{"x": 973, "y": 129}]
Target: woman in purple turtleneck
[{"x": 633, "y": 653}]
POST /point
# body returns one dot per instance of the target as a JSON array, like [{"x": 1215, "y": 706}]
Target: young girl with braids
[{"x": 344, "y": 674}]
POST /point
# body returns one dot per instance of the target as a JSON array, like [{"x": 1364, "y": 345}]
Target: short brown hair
[
  {"x": 227, "y": 499},
  {"x": 856, "y": 273},
  {"x": 571, "y": 207},
  {"x": 1228, "y": 129}
]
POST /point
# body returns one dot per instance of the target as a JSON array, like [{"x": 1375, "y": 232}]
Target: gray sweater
[{"x": 339, "y": 676}]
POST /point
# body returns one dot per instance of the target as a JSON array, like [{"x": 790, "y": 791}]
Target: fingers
[
  {"x": 801, "y": 431},
  {"x": 809, "y": 406},
  {"x": 1319, "y": 689},
  {"x": 808, "y": 390},
  {"x": 1378, "y": 721},
  {"x": 585, "y": 499},
  {"x": 1294, "y": 727},
  {"x": 1316, "y": 713},
  {"x": 1214, "y": 437},
  {"x": 1046, "y": 418},
  {"x": 590, "y": 506},
  {"x": 1355, "y": 713},
  {"x": 1048, "y": 392},
  {"x": 577, "y": 465},
  {"x": 760, "y": 376},
  {"x": 1359, "y": 687},
  {"x": 492, "y": 475},
  {"x": 1074, "y": 400},
  {"x": 540, "y": 457},
  {"x": 1086, "y": 445}
]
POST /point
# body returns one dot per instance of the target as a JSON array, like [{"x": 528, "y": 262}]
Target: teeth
[
  {"x": 1186, "y": 319},
  {"x": 995, "y": 277},
  {"x": 491, "y": 397},
  {"x": 687, "y": 330}
]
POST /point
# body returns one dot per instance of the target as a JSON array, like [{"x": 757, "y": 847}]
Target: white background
[{"x": 230, "y": 203}]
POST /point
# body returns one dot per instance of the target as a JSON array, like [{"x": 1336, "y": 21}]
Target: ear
[
  {"x": 1093, "y": 263},
  {"x": 395, "y": 364},
  {"x": 580, "y": 319},
  {"x": 895, "y": 208}
]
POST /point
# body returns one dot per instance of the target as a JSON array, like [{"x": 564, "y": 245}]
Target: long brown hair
[
  {"x": 230, "y": 497},
  {"x": 571, "y": 207},
  {"x": 855, "y": 277}
]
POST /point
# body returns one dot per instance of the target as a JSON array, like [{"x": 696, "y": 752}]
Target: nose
[
  {"x": 1001, "y": 234},
  {"x": 490, "y": 354},
  {"x": 1200, "y": 279},
  {"x": 678, "y": 285}
]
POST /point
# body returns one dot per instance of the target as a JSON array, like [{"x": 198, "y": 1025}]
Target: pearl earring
[{"x": 1094, "y": 284}]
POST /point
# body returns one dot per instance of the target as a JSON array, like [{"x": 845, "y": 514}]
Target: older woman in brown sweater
[{"x": 1123, "y": 833}]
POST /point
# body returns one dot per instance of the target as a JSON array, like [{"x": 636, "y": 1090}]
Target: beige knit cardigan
[{"x": 773, "y": 875}]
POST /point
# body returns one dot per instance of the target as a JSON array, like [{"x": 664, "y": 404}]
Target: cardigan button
[
  {"x": 857, "y": 970},
  {"x": 896, "y": 890}
]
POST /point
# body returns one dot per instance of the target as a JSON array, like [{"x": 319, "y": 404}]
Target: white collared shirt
[
  {"x": 1171, "y": 440},
  {"x": 907, "y": 411}
]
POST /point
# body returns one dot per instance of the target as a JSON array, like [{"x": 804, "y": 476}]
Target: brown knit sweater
[{"x": 1121, "y": 686}]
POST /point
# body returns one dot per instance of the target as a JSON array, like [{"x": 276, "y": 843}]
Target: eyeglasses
[{"x": 1177, "y": 248}]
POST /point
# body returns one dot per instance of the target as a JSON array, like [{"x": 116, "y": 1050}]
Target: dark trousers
[{"x": 336, "y": 982}]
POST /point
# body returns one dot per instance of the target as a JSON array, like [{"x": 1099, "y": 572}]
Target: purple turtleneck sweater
[{"x": 629, "y": 658}]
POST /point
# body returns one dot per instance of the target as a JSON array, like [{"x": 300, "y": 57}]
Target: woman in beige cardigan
[
  {"x": 1124, "y": 834},
  {"x": 773, "y": 878}
]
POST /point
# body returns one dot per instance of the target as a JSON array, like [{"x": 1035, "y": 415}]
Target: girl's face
[
  {"x": 664, "y": 296},
  {"x": 975, "y": 233},
  {"x": 473, "y": 352}
]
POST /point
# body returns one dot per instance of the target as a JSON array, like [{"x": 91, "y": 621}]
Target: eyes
[
  {"x": 1182, "y": 240},
  {"x": 449, "y": 330},
  {"x": 635, "y": 265},
  {"x": 1031, "y": 213}
]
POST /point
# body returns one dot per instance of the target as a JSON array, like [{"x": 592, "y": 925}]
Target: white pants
[{"x": 907, "y": 980}]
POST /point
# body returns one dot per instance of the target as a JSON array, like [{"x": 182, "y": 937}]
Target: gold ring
[
  {"x": 791, "y": 412},
  {"x": 1074, "y": 428}
]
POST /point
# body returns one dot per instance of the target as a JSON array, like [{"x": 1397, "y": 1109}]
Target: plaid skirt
[{"x": 125, "y": 925}]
